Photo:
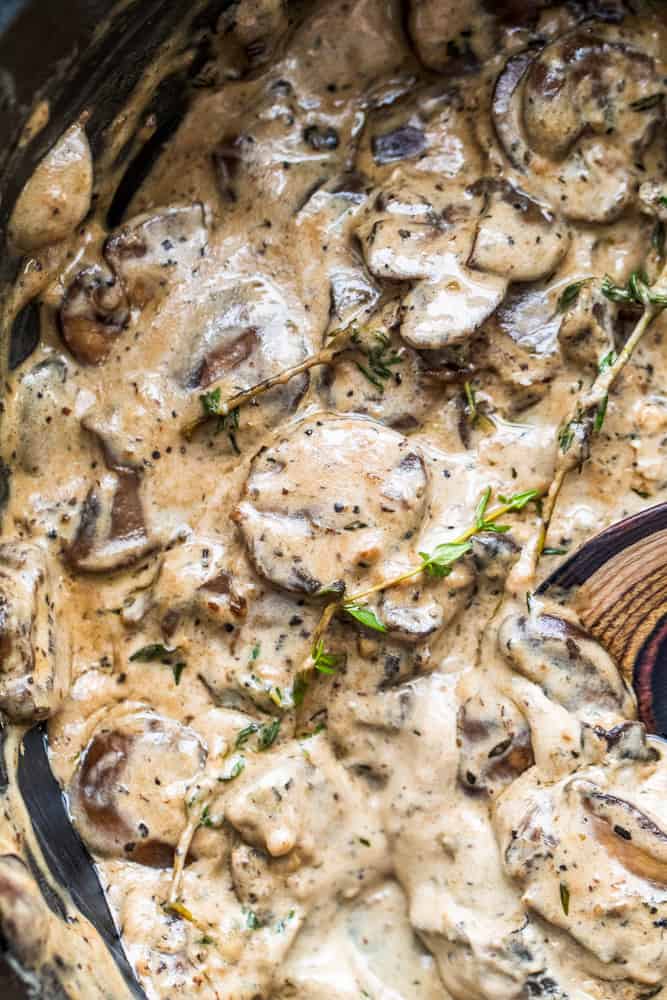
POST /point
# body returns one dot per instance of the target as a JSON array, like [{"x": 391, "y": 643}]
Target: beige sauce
[{"x": 438, "y": 818}]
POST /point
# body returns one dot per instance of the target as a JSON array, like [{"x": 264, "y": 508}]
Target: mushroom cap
[
  {"x": 94, "y": 312},
  {"x": 333, "y": 496},
  {"x": 517, "y": 238},
  {"x": 577, "y": 114},
  {"x": 127, "y": 795},
  {"x": 568, "y": 664},
  {"x": 590, "y": 852},
  {"x": 148, "y": 249}
]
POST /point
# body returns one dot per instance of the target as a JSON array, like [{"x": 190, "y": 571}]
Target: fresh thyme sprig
[
  {"x": 590, "y": 408},
  {"x": 440, "y": 562},
  {"x": 349, "y": 337}
]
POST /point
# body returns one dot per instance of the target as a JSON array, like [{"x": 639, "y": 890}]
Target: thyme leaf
[
  {"x": 363, "y": 614},
  {"x": 236, "y": 768},
  {"x": 606, "y": 362},
  {"x": 252, "y": 921},
  {"x": 474, "y": 412},
  {"x": 481, "y": 523},
  {"x": 299, "y": 688},
  {"x": 325, "y": 662},
  {"x": 205, "y": 818},
  {"x": 566, "y": 436},
  {"x": 637, "y": 291},
  {"x": 601, "y": 413},
  {"x": 177, "y": 669},
  {"x": 157, "y": 652},
  {"x": 520, "y": 500},
  {"x": 381, "y": 359},
  {"x": 229, "y": 422},
  {"x": 210, "y": 402},
  {"x": 565, "y": 898},
  {"x": 154, "y": 651},
  {"x": 570, "y": 295},
  {"x": 244, "y": 735},
  {"x": 441, "y": 561},
  {"x": 267, "y": 734}
]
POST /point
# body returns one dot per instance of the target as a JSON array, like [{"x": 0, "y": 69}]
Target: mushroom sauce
[{"x": 299, "y": 778}]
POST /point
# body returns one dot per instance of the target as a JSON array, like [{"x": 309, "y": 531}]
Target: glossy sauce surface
[{"x": 461, "y": 806}]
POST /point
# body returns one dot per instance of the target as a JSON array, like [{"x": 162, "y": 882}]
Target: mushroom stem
[
  {"x": 339, "y": 342},
  {"x": 583, "y": 413}
]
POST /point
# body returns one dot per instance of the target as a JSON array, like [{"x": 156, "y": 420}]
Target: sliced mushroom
[
  {"x": 527, "y": 316},
  {"x": 298, "y": 832},
  {"x": 252, "y": 335},
  {"x": 412, "y": 620},
  {"x": 590, "y": 82},
  {"x": 420, "y": 229},
  {"x": 56, "y": 199},
  {"x": 227, "y": 356},
  {"x": 331, "y": 499},
  {"x": 353, "y": 293},
  {"x": 494, "y": 555},
  {"x": 571, "y": 667},
  {"x": 146, "y": 251},
  {"x": 430, "y": 131},
  {"x": 586, "y": 334},
  {"x": 256, "y": 27},
  {"x": 128, "y": 792},
  {"x": 111, "y": 534},
  {"x": 506, "y": 108},
  {"x": 401, "y": 397},
  {"x": 592, "y": 862},
  {"x": 93, "y": 314},
  {"x": 628, "y": 833},
  {"x": 523, "y": 373},
  {"x": 194, "y": 580},
  {"x": 24, "y": 919},
  {"x": 494, "y": 743},
  {"x": 34, "y": 664},
  {"x": 444, "y": 313},
  {"x": 403, "y": 250},
  {"x": 517, "y": 237},
  {"x": 577, "y": 116},
  {"x": 121, "y": 448},
  {"x": 466, "y": 245}
]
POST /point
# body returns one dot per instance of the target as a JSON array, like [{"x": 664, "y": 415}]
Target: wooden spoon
[{"x": 617, "y": 583}]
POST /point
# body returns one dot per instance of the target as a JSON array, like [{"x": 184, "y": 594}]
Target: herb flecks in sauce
[{"x": 430, "y": 224}]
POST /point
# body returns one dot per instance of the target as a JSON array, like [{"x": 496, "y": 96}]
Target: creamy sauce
[{"x": 461, "y": 806}]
